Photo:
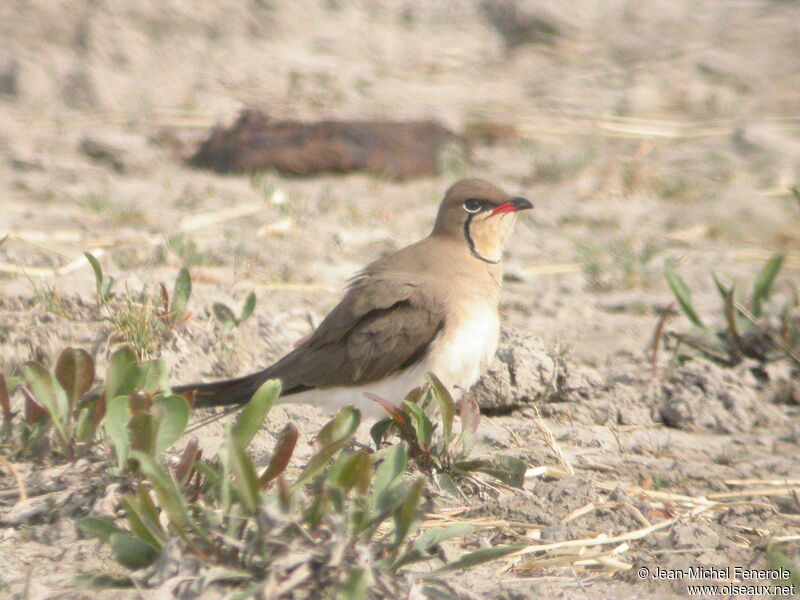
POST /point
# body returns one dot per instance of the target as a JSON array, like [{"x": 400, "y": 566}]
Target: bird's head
[{"x": 481, "y": 214}]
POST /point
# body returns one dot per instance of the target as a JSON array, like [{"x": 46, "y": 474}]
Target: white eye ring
[{"x": 473, "y": 206}]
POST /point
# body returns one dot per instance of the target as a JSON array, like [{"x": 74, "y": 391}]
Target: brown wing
[{"x": 381, "y": 326}]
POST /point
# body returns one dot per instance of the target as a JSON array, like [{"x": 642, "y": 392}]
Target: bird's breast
[{"x": 466, "y": 345}]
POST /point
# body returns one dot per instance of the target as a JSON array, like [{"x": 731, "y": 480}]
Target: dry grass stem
[
  {"x": 23, "y": 492},
  {"x": 765, "y": 491},
  {"x": 201, "y": 221},
  {"x": 780, "y": 482},
  {"x": 48, "y": 273},
  {"x": 554, "y": 269},
  {"x": 548, "y": 438}
]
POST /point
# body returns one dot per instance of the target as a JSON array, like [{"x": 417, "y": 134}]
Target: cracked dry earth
[{"x": 636, "y": 147}]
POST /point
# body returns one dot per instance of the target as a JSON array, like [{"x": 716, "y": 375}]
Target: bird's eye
[{"x": 472, "y": 205}]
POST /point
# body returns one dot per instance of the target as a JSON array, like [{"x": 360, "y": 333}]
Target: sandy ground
[{"x": 645, "y": 132}]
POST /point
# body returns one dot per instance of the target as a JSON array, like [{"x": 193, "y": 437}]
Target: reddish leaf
[
  {"x": 164, "y": 297},
  {"x": 389, "y": 407},
  {"x": 99, "y": 411},
  {"x": 140, "y": 402},
  {"x": 75, "y": 373},
  {"x": 281, "y": 456},
  {"x": 33, "y": 410},
  {"x": 5, "y": 401},
  {"x": 183, "y": 471},
  {"x": 284, "y": 493}
]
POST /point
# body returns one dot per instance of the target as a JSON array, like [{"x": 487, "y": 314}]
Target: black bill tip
[{"x": 521, "y": 203}]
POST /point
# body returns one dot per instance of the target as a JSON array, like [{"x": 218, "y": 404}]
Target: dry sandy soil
[{"x": 644, "y": 132}]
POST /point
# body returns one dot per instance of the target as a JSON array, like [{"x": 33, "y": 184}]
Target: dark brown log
[{"x": 256, "y": 142}]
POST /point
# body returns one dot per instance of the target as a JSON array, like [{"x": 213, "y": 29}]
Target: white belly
[
  {"x": 465, "y": 347},
  {"x": 393, "y": 388},
  {"x": 458, "y": 356}
]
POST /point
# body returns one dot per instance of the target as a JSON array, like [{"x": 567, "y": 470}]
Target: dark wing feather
[{"x": 380, "y": 327}]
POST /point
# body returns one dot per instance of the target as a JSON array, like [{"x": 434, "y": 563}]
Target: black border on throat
[{"x": 471, "y": 244}]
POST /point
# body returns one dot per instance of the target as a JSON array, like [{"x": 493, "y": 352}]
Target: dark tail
[{"x": 223, "y": 393}]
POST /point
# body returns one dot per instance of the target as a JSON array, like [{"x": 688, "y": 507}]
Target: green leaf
[
  {"x": 248, "y": 308},
  {"x": 419, "y": 395},
  {"x": 478, "y": 557},
  {"x": 224, "y": 574},
  {"x": 428, "y": 540},
  {"x": 225, "y": 315},
  {"x": 363, "y": 473},
  {"x": 320, "y": 506},
  {"x": 102, "y": 581},
  {"x": 153, "y": 376},
  {"x": 102, "y": 283},
  {"x": 393, "y": 465},
  {"x": 132, "y": 552},
  {"x": 706, "y": 342},
  {"x": 723, "y": 291},
  {"x": 174, "y": 418},
  {"x": 246, "y": 478},
  {"x": 138, "y": 527},
  {"x": 143, "y": 524},
  {"x": 429, "y": 592},
  {"x": 348, "y": 420},
  {"x": 346, "y": 470},
  {"x": 13, "y": 383},
  {"x": 778, "y": 559},
  {"x": 682, "y": 294},
  {"x": 181, "y": 294},
  {"x": 253, "y": 414},
  {"x": 345, "y": 422},
  {"x": 447, "y": 408},
  {"x": 447, "y": 485},
  {"x": 408, "y": 514},
  {"x": 87, "y": 420},
  {"x": 389, "y": 500},
  {"x": 75, "y": 372},
  {"x": 118, "y": 415},
  {"x": 281, "y": 455},
  {"x": 108, "y": 283},
  {"x": 380, "y": 430},
  {"x": 169, "y": 498},
  {"x": 507, "y": 469},
  {"x": 210, "y": 474},
  {"x": 123, "y": 373},
  {"x": 355, "y": 586},
  {"x": 436, "y": 535},
  {"x": 47, "y": 391},
  {"x": 99, "y": 528},
  {"x": 764, "y": 281},
  {"x": 420, "y": 422}
]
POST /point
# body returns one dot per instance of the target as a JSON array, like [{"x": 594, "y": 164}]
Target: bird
[{"x": 429, "y": 307}]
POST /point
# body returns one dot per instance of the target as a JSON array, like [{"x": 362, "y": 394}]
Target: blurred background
[
  {"x": 274, "y": 148},
  {"x": 641, "y": 130}
]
